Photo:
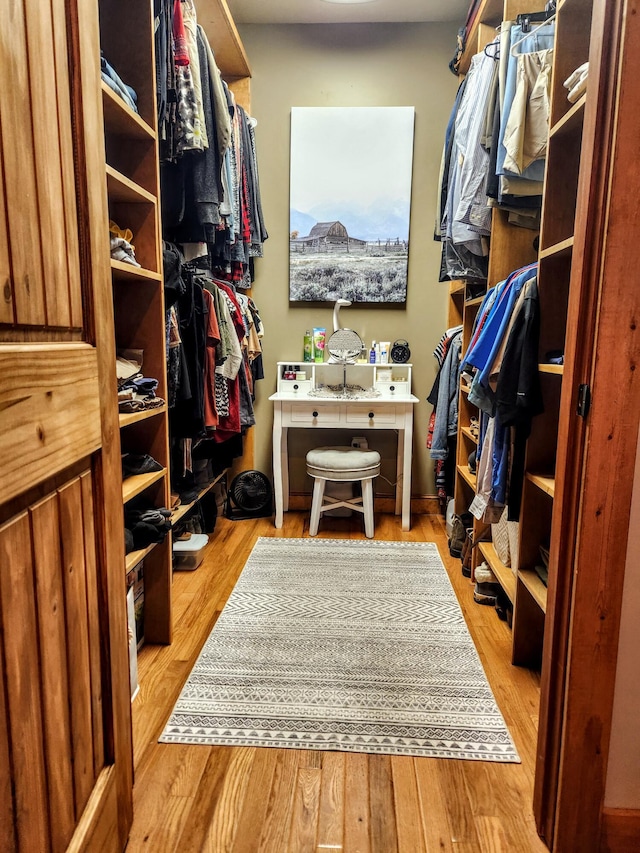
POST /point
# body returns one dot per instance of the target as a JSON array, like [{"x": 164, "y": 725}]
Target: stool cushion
[{"x": 343, "y": 463}]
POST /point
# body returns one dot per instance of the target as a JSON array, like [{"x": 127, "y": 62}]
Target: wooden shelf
[
  {"x": 457, "y": 288},
  {"x": 467, "y": 476},
  {"x": 134, "y": 557},
  {"x": 466, "y": 431},
  {"x": 504, "y": 575},
  {"x": 183, "y": 509},
  {"x": 471, "y": 303},
  {"x": 545, "y": 483},
  {"x": 121, "y": 120},
  {"x": 215, "y": 19},
  {"x": 571, "y": 120},
  {"x": 136, "y": 417},
  {"x": 122, "y": 189},
  {"x": 122, "y": 271},
  {"x": 565, "y": 247},
  {"x": 557, "y": 369},
  {"x": 489, "y": 12},
  {"x": 133, "y": 486},
  {"x": 464, "y": 388},
  {"x": 534, "y": 585}
]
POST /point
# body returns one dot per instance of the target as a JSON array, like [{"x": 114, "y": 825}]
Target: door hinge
[{"x": 584, "y": 400}]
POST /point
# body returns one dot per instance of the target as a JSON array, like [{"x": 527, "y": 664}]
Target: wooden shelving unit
[
  {"x": 133, "y": 187},
  {"x": 512, "y": 247},
  {"x": 133, "y": 190}
]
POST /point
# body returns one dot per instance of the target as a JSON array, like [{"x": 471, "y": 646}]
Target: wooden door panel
[
  {"x": 6, "y": 292},
  {"x": 45, "y": 518},
  {"x": 75, "y": 583},
  {"x": 49, "y": 412},
  {"x": 51, "y": 652},
  {"x": 47, "y": 158},
  {"x": 22, "y": 672},
  {"x": 7, "y": 811},
  {"x": 93, "y": 621},
  {"x": 65, "y": 129},
  {"x": 19, "y": 170}
]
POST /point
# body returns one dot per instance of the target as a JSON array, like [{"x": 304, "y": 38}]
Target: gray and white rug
[{"x": 348, "y": 645}]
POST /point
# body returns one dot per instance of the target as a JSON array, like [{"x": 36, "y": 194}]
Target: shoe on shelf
[
  {"x": 139, "y": 463},
  {"x": 487, "y": 588}
]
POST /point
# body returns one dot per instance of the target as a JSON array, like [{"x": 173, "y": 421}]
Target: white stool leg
[
  {"x": 316, "y": 504},
  {"x": 367, "y": 502}
]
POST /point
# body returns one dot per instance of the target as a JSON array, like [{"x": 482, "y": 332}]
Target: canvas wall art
[{"x": 350, "y": 201}]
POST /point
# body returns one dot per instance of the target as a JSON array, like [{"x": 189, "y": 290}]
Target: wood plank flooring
[{"x": 246, "y": 800}]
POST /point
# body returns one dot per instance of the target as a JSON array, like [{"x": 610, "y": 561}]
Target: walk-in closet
[{"x": 319, "y": 421}]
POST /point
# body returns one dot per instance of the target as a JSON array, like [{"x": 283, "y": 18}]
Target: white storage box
[{"x": 188, "y": 553}]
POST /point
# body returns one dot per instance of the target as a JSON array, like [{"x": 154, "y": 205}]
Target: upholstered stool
[{"x": 342, "y": 464}]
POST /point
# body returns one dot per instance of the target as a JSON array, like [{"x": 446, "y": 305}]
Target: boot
[{"x": 487, "y": 587}]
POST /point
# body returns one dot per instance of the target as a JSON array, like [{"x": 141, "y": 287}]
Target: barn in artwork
[{"x": 327, "y": 237}]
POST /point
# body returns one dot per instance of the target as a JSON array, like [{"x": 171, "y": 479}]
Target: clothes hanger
[
  {"x": 495, "y": 55},
  {"x": 549, "y": 20}
]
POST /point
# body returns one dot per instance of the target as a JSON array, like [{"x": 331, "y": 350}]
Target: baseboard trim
[
  {"x": 421, "y": 505},
  {"x": 620, "y": 831}
]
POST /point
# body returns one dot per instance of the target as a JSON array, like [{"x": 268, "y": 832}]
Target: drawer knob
[
  {"x": 371, "y": 414},
  {"x": 392, "y": 387},
  {"x": 315, "y": 414},
  {"x": 295, "y": 387}
]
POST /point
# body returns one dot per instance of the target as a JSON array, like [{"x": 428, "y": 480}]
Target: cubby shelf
[
  {"x": 119, "y": 119},
  {"x": 504, "y": 574},
  {"x": 467, "y": 476},
  {"x": 122, "y": 189},
  {"x": 467, "y": 432},
  {"x": 555, "y": 369},
  {"x": 136, "y": 417},
  {"x": 122, "y": 271},
  {"x": 545, "y": 483},
  {"x": 134, "y": 557},
  {"x": 470, "y": 303},
  {"x": 564, "y": 247},
  {"x": 134, "y": 486},
  {"x": 571, "y": 120},
  {"x": 534, "y": 585}
]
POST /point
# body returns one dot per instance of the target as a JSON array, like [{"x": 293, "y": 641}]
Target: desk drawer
[
  {"x": 362, "y": 414},
  {"x": 314, "y": 415}
]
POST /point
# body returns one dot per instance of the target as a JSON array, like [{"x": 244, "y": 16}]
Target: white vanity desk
[{"x": 309, "y": 403}]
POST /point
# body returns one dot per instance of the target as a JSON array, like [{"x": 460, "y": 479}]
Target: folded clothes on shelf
[
  {"x": 122, "y": 250},
  {"x": 130, "y": 407},
  {"x": 145, "y": 525},
  {"x": 117, "y": 85},
  {"x": 576, "y": 83}
]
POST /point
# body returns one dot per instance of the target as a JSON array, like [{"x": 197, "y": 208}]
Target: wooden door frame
[
  {"x": 596, "y": 455},
  {"x": 114, "y": 789}
]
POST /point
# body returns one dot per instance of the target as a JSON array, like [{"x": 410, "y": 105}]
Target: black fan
[{"x": 249, "y": 496}]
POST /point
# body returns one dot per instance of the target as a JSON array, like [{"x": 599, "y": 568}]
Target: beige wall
[{"x": 352, "y": 65}]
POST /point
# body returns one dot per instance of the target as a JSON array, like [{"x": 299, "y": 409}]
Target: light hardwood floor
[{"x": 245, "y": 800}]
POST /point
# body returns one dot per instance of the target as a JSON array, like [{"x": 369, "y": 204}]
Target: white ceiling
[{"x": 319, "y": 12}]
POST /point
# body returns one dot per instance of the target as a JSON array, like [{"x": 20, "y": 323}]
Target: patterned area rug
[{"x": 348, "y": 645}]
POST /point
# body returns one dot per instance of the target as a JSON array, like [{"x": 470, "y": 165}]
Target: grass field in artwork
[{"x": 325, "y": 277}]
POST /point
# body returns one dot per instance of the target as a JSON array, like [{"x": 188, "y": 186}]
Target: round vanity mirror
[{"x": 345, "y": 346}]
